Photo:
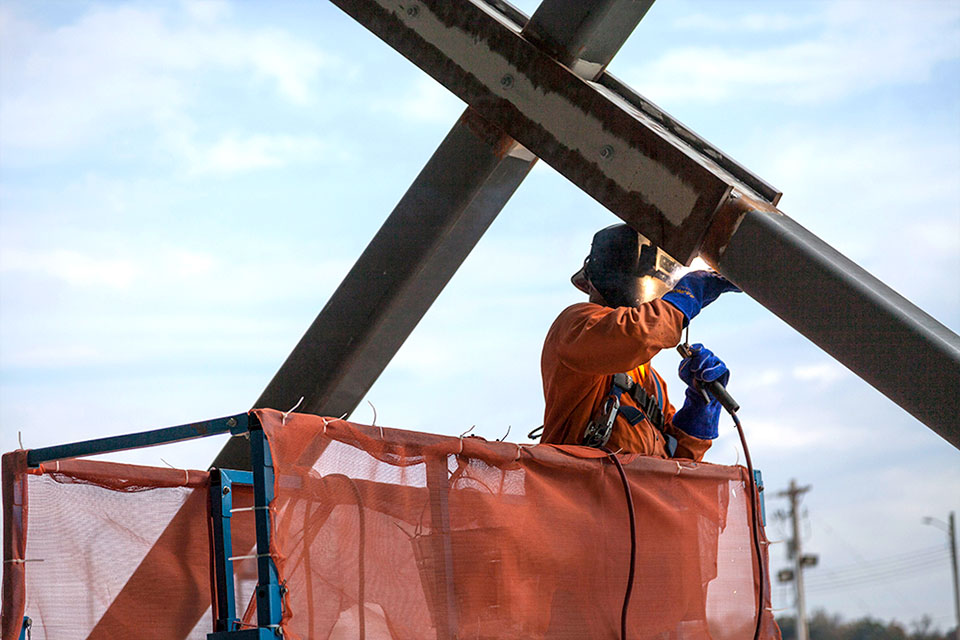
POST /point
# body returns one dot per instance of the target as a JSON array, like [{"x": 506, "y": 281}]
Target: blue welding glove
[
  {"x": 698, "y": 417},
  {"x": 696, "y": 290}
]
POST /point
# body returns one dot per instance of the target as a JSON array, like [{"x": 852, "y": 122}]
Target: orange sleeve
[{"x": 599, "y": 340}]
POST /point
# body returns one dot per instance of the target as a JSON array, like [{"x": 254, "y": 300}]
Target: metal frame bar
[
  {"x": 445, "y": 595},
  {"x": 758, "y": 480},
  {"x": 269, "y": 590},
  {"x": 221, "y": 505},
  {"x": 25, "y": 628},
  {"x": 269, "y": 595},
  {"x": 236, "y": 424}
]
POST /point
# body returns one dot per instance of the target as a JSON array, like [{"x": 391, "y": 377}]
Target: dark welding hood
[{"x": 625, "y": 268}]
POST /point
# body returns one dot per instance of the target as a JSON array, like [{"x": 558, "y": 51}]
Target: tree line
[{"x": 824, "y": 626}]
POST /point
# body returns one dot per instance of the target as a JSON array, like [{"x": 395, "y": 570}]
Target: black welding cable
[
  {"x": 633, "y": 542},
  {"x": 755, "y": 508}
]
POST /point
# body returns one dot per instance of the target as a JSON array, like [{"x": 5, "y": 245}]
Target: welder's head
[{"x": 624, "y": 268}]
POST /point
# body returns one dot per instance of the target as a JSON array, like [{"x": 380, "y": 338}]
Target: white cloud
[
  {"x": 751, "y": 22},
  {"x": 234, "y": 153},
  {"x": 859, "y": 46},
  {"x": 72, "y": 267},
  {"x": 207, "y": 10},
  {"x": 824, "y": 373},
  {"x": 121, "y": 67},
  {"x": 426, "y": 101}
]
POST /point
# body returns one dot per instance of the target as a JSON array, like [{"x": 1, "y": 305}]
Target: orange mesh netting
[
  {"x": 110, "y": 550},
  {"x": 395, "y": 534},
  {"x": 382, "y": 533}
]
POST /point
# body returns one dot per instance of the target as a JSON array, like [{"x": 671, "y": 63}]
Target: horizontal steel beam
[
  {"x": 645, "y": 173},
  {"x": 874, "y": 331}
]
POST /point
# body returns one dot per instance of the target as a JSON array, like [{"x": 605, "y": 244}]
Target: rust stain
[{"x": 725, "y": 221}]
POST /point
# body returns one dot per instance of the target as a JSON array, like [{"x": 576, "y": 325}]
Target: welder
[{"x": 599, "y": 387}]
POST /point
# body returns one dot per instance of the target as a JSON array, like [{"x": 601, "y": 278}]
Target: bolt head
[
  {"x": 231, "y": 422},
  {"x": 413, "y": 10},
  {"x": 606, "y": 152},
  {"x": 506, "y": 81},
  {"x": 226, "y": 490}
]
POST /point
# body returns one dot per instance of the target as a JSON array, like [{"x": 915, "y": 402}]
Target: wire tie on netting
[
  {"x": 374, "y": 423},
  {"x": 252, "y": 555},
  {"x": 254, "y": 508},
  {"x": 679, "y": 468},
  {"x": 284, "y": 420},
  {"x": 20, "y": 438},
  {"x": 22, "y": 560},
  {"x": 344, "y": 416},
  {"x": 461, "y": 438},
  {"x": 505, "y": 435}
]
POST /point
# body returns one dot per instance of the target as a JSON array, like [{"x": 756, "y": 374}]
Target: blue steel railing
[{"x": 227, "y": 625}]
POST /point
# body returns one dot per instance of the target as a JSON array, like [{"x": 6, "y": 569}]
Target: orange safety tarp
[
  {"x": 383, "y": 533},
  {"x": 411, "y": 535}
]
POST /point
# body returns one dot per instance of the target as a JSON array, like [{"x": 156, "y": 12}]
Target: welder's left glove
[
  {"x": 696, "y": 290},
  {"x": 698, "y": 417}
]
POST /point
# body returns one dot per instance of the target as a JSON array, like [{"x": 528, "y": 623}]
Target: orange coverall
[{"x": 588, "y": 344}]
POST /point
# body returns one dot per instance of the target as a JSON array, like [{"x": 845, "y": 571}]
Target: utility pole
[
  {"x": 951, "y": 529},
  {"x": 956, "y": 580},
  {"x": 794, "y": 493}
]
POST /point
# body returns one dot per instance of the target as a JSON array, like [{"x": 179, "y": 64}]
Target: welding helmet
[{"x": 625, "y": 268}]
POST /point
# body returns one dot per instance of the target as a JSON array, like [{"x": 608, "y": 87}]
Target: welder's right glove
[
  {"x": 696, "y": 290},
  {"x": 698, "y": 417}
]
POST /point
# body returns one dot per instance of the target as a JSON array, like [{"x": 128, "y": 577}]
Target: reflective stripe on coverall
[{"x": 588, "y": 344}]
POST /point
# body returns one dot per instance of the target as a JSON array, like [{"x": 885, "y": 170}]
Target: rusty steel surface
[
  {"x": 644, "y": 173},
  {"x": 868, "y": 327}
]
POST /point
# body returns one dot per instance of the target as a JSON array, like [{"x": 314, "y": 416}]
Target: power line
[
  {"x": 890, "y": 574},
  {"x": 904, "y": 560}
]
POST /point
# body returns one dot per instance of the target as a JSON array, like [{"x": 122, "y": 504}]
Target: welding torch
[{"x": 712, "y": 389}]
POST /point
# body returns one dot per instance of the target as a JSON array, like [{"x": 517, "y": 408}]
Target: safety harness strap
[{"x": 648, "y": 407}]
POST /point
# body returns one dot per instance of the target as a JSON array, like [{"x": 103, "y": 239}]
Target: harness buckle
[{"x": 598, "y": 431}]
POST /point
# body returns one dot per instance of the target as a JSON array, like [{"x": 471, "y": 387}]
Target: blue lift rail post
[
  {"x": 758, "y": 478},
  {"x": 222, "y": 482}
]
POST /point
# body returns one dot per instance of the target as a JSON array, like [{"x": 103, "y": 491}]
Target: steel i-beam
[
  {"x": 669, "y": 183},
  {"x": 432, "y": 230},
  {"x": 402, "y": 271},
  {"x": 877, "y": 333}
]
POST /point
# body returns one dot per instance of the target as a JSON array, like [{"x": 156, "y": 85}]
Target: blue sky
[{"x": 183, "y": 185}]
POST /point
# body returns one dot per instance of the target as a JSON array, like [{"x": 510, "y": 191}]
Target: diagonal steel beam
[
  {"x": 877, "y": 333},
  {"x": 623, "y": 156},
  {"x": 405, "y": 267},
  {"x": 431, "y": 231},
  {"x": 669, "y": 184}
]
